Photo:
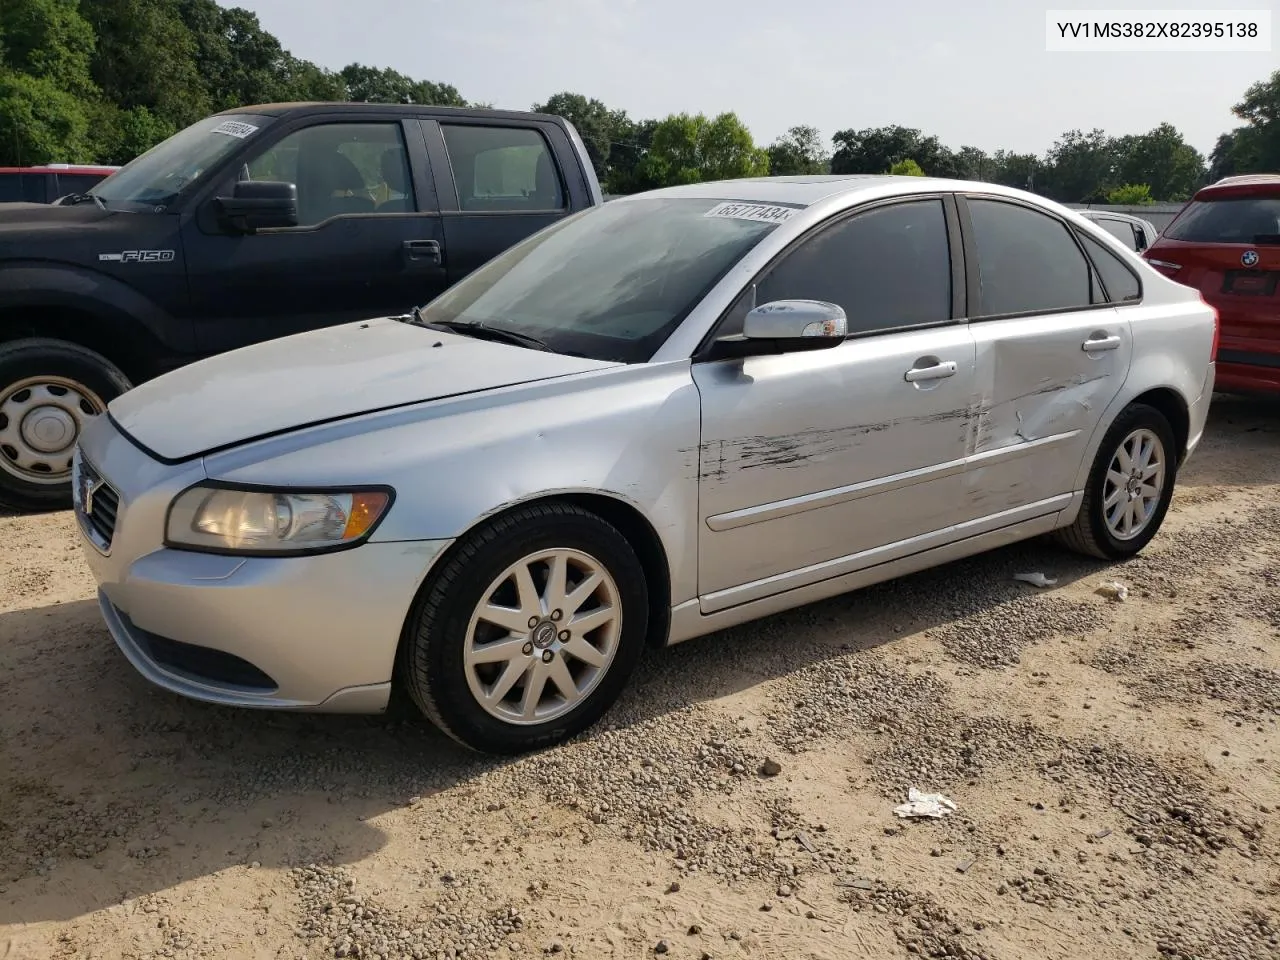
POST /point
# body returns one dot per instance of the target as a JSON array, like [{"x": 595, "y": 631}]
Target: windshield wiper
[
  {"x": 481, "y": 331},
  {"x": 76, "y": 198}
]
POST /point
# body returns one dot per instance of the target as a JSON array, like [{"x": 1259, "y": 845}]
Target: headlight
[{"x": 231, "y": 520}]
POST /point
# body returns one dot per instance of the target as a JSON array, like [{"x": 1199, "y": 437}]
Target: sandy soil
[{"x": 1114, "y": 764}]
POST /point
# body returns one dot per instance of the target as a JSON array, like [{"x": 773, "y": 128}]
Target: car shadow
[{"x": 1241, "y": 445}]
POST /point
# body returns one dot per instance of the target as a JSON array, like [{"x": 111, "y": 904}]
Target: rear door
[
  {"x": 500, "y": 181},
  {"x": 1053, "y": 351},
  {"x": 1226, "y": 244},
  {"x": 369, "y": 240}
]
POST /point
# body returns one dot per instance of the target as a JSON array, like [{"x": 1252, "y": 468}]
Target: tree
[
  {"x": 1015, "y": 169},
  {"x": 595, "y": 123},
  {"x": 973, "y": 164},
  {"x": 1254, "y": 147},
  {"x": 875, "y": 150},
  {"x": 373, "y": 85},
  {"x": 48, "y": 40},
  {"x": 692, "y": 148},
  {"x": 906, "y": 168},
  {"x": 1080, "y": 167},
  {"x": 1161, "y": 159},
  {"x": 39, "y": 122},
  {"x": 628, "y": 169},
  {"x": 1131, "y": 194},
  {"x": 799, "y": 151}
]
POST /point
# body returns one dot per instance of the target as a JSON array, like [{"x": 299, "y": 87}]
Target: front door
[
  {"x": 369, "y": 239},
  {"x": 817, "y": 463},
  {"x": 1054, "y": 346}
]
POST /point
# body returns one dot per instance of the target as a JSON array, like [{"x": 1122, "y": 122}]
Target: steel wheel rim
[
  {"x": 543, "y": 636},
  {"x": 41, "y": 419},
  {"x": 1134, "y": 484}
]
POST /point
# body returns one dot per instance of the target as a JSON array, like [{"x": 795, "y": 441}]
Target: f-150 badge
[{"x": 138, "y": 256}]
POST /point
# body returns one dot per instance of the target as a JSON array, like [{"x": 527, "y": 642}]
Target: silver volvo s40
[{"x": 665, "y": 415}]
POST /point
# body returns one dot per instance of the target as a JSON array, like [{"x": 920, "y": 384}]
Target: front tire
[
  {"x": 49, "y": 391},
  {"x": 1129, "y": 489},
  {"x": 529, "y": 631}
]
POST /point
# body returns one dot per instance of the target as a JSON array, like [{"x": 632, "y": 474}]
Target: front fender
[
  {"x": 628, "y": 433},
  {"x": 35, "y": 284}
]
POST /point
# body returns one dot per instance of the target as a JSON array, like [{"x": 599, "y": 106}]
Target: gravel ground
[{"x": 1114, "y": 764}]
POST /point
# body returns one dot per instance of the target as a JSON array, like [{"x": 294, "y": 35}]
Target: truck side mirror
[{"x": 259, "y": 205}]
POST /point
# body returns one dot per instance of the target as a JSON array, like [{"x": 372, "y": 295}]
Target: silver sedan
[{"x": 663, "y": 416}]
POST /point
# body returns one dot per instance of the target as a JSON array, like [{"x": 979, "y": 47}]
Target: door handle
[
  {"x": 939, "y": 371},
  {"x": 1098, "y": 344},
  {"x": 422, "y": 250}
]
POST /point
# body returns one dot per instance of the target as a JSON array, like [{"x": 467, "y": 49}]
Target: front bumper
[{"x": 302, "y": 633}]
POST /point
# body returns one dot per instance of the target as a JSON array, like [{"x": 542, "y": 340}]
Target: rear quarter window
[
  {"x": 1229, "y": 220},
  {"x": 22, "y": 188}
]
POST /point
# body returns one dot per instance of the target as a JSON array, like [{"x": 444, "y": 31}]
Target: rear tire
[
  {"x": 491, "y": 653},
  {"x": 49, "y": 391},
  {"x": 1129, "y": 489}
]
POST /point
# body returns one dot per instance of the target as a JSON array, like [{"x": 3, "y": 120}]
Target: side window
[
  {"x": 340, "y": 168},
  {"x": 502, "y": 168},
  {"x": 10, "y": 187},
  {"x": 888, "y": 267},
  {"x": 1119, "y": 229},
  {"x": 1027, "y": 261},
  {"x": 1119, "y": 280}
]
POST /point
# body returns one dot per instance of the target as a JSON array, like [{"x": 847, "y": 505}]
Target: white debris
[
  {"x": 925, "y": 805},
  {"x": 1036, "y": 579},
  {"x": 1113, "y": 590}
]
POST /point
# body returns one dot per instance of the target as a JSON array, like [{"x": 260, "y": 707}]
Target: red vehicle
[
  {"x": 47, "y": 183},
  {"x": 1226, "y": 243}
]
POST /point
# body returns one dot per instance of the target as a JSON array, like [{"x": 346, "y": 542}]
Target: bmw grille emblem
[{"x": 1249, "y": 258}]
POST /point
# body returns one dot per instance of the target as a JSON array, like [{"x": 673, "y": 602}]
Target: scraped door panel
[{"x": 811, "y": 461}]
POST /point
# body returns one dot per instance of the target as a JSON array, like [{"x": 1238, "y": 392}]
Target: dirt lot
[{"x": 1115, "y": 767}]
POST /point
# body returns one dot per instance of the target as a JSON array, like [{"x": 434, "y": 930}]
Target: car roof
[
  {"x": 805, "y": 191},
  {"x": 408, "y": 109},
  {"x": 1243, "y": 185},
  {"x": 1112, "y": 215}
]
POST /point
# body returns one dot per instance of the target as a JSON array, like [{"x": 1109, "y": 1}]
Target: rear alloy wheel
[
  {"x": 49, "y": 391},
  {"x": 529, "y": 631},
  {"x": 1129, "y": 489}
]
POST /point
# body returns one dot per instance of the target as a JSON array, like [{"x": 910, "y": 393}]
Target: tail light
[
  {"x": 1217, "y": 329},
  {"x": 1164, "y": 266}
]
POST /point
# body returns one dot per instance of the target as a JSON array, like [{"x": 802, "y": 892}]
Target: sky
[{"x": 973, "y": 73}]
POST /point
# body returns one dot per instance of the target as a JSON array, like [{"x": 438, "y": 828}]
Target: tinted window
[
  {"x": 1027, "y": 261},
  {"x": 1120, "y": 282},
  {"x": 1237, "y": 220},
  {"x": 75, "y": 182},
  {"x": 340, "y": 168},
  {"x": 502, "y": 168},
  {"x": 611, "y": 282},
  {"x": 888, "y": 267},
  {"x": 1119, "y": 229},
  {"x": 22, "y": 187}
]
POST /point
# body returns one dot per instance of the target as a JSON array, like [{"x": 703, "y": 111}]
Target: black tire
[
  {"x": 37, "y": 357},
  {"x": 1089, "y": 534},
  {"x": 431, "y": 655}
]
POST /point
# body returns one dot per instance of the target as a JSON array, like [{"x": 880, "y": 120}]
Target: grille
[{"x": 97, "y": 502}]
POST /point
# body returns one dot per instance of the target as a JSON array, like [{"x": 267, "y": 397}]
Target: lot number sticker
[
  {"x": 762, "y": 212},
  {"x": 235, "y": 128}
]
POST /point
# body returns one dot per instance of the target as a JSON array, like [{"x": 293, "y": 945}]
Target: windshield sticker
[
  {"x": 761, "y": 212},
  {"x": 235, "y": 128}
]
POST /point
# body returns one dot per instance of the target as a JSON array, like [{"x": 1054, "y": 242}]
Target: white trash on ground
[
  {"x": 1114, "y": 590},
  {"x": 1036, "y": 579},
  {"x": 925, "y": 805}
]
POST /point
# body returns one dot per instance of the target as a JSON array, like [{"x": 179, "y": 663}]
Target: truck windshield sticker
[
  {"x": 762, "y": 212},
  {"x": 235, "y": 128}
]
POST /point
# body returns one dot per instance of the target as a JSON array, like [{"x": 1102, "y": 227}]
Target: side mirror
[
  {"x": 259, "y": 205},
  {"x": 797, "y": 320}
]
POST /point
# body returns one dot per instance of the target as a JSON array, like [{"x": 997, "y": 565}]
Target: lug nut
[
  {"x": 556, "y": 614},
  {"x": 564, "y": 636},
  {"x": 533, "y": 622},
  {"x": 527, "y": 649},
  {"x": 547, "y": 656}
]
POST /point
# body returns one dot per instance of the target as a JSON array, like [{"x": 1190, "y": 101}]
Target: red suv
[{"x": 1226, "y": 243}]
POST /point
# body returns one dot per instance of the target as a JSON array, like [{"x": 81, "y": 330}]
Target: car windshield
[
  {"x": 1235, "y": 220},
  {"x": 153, "y": 180},
  {"x": 614, "y": 281}
]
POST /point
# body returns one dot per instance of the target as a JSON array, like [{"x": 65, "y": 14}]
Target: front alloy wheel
[{"x": 528, "y": 630}]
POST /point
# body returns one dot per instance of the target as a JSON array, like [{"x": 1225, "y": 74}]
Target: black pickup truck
[{"x": 252, "y": 224}]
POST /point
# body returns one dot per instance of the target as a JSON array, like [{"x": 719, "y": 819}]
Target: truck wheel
[{"x": 49, "y": 391}]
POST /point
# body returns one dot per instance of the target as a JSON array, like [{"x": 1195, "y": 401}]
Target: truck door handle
[
  {"x": 938, "y": 371},
  {"x": 422, "y": 250},
  {"x": 1098, "y": 344}
]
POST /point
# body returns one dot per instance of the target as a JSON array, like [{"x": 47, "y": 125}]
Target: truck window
[
  {"x": 502, "y": 168},
  {"x": 22, "y": 187},
  {"x": 340, "y": 168}
]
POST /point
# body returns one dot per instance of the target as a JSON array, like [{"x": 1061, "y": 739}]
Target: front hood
[
  {"x": 21, "y": 217},
  {"x": 320, "y": 376}
]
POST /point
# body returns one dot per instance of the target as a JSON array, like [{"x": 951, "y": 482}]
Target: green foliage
[
  {"x": 372, "y": 85},
  {"x": 690, "y": 148},
  {"x": 1130, "y": 194},
  {"x": 1162, "y": 159},
  {"x": 906, "y": 168},
  {"x": 39, "y": 122},
  {"x": 1254, "y": 147},
  {"x": 798, "y": 152}
]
